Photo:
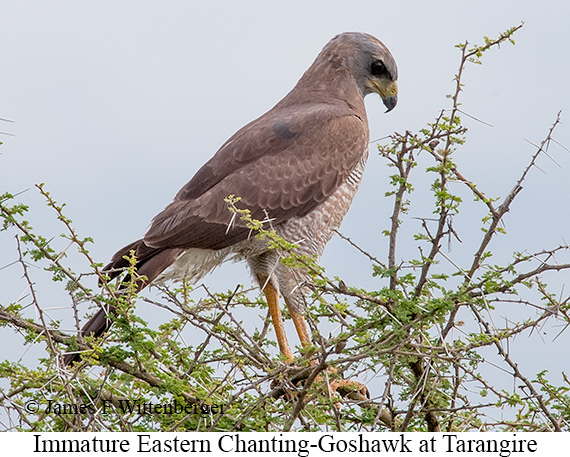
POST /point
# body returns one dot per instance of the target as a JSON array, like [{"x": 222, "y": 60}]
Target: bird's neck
[{"x": 327, "y": 81}]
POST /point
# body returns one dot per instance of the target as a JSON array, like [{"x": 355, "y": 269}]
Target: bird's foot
[
  {"x": 349, "y": 388},
  {"x": 346, "y": 388}
]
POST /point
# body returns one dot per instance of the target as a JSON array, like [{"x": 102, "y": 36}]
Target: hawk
[{"x": 299, "y": 165}]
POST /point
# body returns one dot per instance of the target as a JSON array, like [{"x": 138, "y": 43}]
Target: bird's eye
[{"x": 377, "y": 68}]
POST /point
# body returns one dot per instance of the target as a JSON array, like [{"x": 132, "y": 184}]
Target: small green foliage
[{"x": 421, "y": 337}]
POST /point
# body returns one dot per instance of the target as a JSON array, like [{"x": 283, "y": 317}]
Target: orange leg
[
  {"x": 343, "y": 386},
  {"x": 273, "y": 304},
  {"x": 300, "y": 326}
]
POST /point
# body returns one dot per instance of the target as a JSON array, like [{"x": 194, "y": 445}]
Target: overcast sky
[{"x": 116, "y": 104}]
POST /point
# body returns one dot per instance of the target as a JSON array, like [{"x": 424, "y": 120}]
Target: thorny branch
[
  {"x": 404, "y": 339},
  {"x": 402, "y": 155}
]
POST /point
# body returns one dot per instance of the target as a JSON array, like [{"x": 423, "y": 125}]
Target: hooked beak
[
  {"x": 390, "y": 102},
  {"x": 388, "y": 90}
]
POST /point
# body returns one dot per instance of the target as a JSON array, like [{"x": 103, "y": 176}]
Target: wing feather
[{"x": 283, "y": 164}]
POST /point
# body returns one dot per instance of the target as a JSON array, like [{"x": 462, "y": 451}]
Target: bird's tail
[
  {"x": 96, "y": 326},
  {"x": 150, "y": 263}
]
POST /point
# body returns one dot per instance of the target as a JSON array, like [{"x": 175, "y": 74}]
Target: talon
[{"x": 345, "y": 386}]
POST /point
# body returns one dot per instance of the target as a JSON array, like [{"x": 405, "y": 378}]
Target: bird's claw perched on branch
[{"x": 347, "y": 387}]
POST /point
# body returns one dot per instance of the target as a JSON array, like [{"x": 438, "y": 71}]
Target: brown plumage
[{"x": 300, "y": 164}]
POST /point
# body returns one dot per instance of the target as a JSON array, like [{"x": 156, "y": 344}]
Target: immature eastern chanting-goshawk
[{"x": 300, "y": 165}]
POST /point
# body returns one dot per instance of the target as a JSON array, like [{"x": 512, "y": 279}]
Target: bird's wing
[{"x": 281, "y": 165}]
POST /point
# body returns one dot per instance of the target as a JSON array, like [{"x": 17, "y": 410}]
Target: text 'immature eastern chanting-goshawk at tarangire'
[{"x": 299, "y": 165}]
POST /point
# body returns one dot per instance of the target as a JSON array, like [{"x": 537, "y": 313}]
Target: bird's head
[{"x": 371, "y": 65}]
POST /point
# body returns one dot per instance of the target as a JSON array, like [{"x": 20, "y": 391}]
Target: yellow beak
[{"x": 388, "y": 90}]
